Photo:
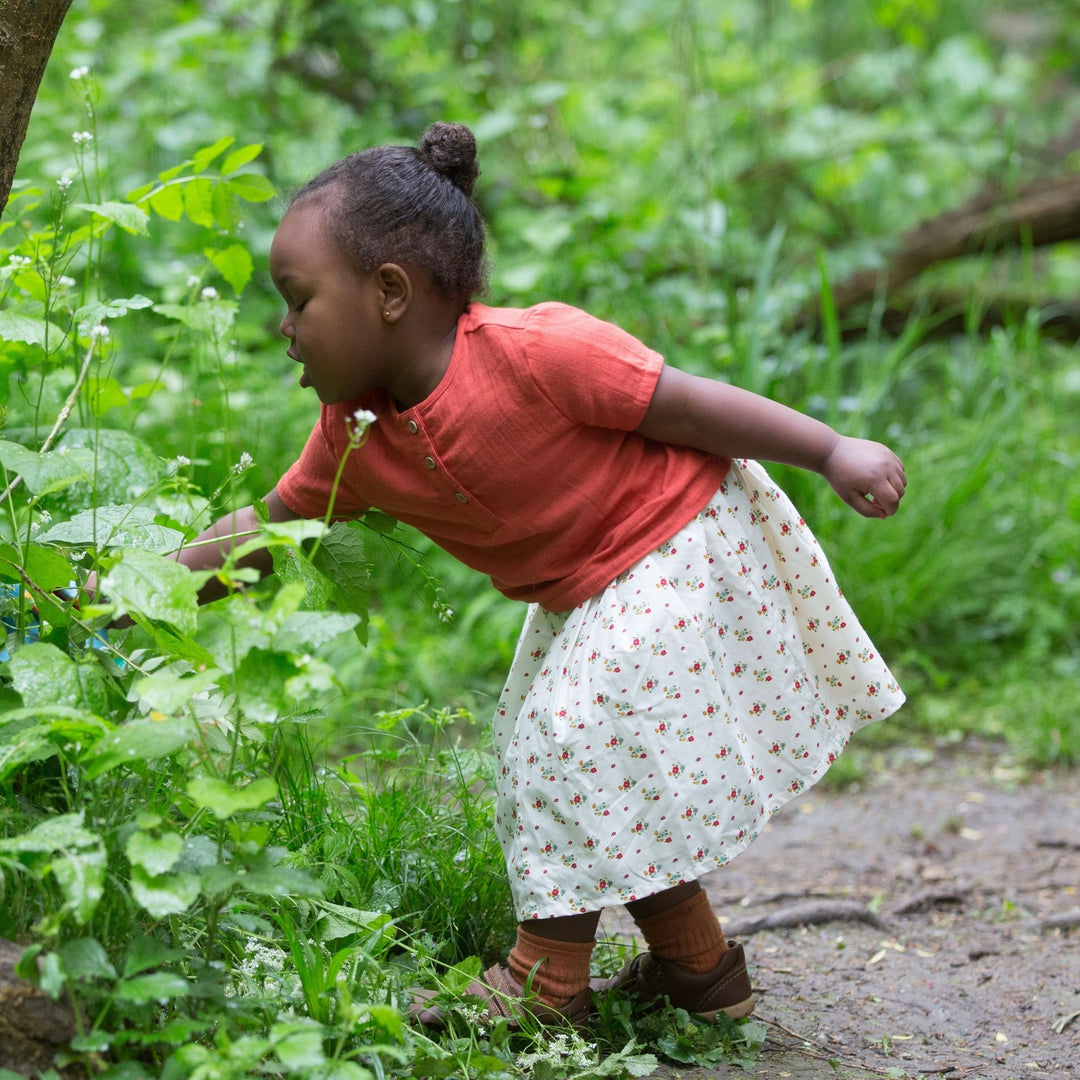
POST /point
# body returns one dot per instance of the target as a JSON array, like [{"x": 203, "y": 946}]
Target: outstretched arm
[
  {"x": 212, "y": 546},
  {"x": 688, "y": 410}
]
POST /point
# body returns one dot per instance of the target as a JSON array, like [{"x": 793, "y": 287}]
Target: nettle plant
[{"x": 146, "y": 844}]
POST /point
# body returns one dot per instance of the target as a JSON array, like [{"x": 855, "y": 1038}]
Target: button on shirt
[{"x": 523, "y": 462}]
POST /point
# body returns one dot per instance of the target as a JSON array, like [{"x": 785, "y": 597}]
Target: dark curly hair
[{"x": 399, "y": 204}]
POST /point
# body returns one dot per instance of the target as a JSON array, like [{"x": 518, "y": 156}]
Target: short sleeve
[
  {"x": 590, "y": 370},
  {"x": 308, "y": 485}
]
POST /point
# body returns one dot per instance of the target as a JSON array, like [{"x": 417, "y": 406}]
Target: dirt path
[{"x": 932, "y": 924}]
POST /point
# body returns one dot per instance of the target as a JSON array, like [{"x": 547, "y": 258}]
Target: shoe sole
[{"x": 733, "y": 1012}]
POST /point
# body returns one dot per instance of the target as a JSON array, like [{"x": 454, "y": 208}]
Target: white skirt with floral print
[{"x": 645, "y": 737}]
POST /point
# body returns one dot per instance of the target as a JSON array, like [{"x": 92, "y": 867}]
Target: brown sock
[
  {"x": 563, "y": 970},
  {"x": 688, "y": 934}
]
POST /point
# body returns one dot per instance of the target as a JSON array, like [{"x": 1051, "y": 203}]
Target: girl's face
[{"x": 334, "y": 319}]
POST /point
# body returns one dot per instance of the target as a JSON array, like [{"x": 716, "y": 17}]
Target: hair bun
[{"x": 451, "y": 150}]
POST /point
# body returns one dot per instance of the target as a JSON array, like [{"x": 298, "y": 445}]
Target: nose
[{"x": 285, "y": 326}]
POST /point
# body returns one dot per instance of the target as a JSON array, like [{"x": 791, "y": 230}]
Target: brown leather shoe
[
  {"x": 648, "y": 979},
  {"x": 500, "y": 994}
]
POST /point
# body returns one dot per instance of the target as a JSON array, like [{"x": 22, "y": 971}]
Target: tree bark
[
  {"x": 28, "y": 29},
  {"x": 1045, "y": 211}
]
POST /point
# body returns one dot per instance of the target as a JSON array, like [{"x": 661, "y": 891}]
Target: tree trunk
[{"x": 28, "y": 29}]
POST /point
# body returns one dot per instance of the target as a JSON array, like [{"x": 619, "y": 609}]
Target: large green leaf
[
  {"x": 43, "y": 473},
  {"x": 124, "y": 468},
  {"x": 33, "y": 331},
  {"x": 44, "y": 675},
  {"x": 115, "y": 527},
  {"x": 154, "y": 587},
  {"x": 145, "y": 739},
  {"x": 223, "y": 799}
]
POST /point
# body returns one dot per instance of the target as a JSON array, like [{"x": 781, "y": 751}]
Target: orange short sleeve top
[{"x": 523, "y": 463}]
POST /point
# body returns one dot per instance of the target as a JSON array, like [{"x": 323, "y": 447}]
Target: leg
[{"x": 546, "y": 975}]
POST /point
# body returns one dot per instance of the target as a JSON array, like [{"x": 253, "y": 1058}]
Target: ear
[{"x": 395, "y": 291}]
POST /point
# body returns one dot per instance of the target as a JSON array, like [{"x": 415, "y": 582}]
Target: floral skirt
[{"x": 646, "y": 737}]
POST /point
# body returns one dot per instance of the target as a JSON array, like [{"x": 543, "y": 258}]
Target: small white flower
[
  {"x": 193, "y": 281},
  {"x": 79, "y": 72},
  {"x": 100, "y": 331},
  {"x": 19, "y": 260},
  {"x": 245, "y": 463},
  {"x": 209, "y": 293},
  {"x": 79, "y": 137},
  {"x": 45, "y": 517},
  {"x": 65, "y": 282},
  {"x": 181, "y": 461},
  {"x": 358, "y": 425},
  {"x": 64, "y": 183}
]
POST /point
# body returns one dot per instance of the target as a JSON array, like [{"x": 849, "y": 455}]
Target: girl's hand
[{"x": 868, "y": 476}]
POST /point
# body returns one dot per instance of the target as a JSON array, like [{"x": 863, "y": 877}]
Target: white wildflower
[
  {"x": 45, "y": 517},
  {"x": 358, "y": 425},
  {"x": 245, "y": 463},
  {"x": 79, "y": 72},
  {"x": 209, "y": 293},
  {"x": 65, "y": 282},
  {"x": 193, "y": 281},
  {"x": 181, "y": 461},
  {"x": 80, "y": 137},
  {"x": 64, "y": 183},
  {"x": 100, "y": 331},
  {"x": 19, "y": 260}
]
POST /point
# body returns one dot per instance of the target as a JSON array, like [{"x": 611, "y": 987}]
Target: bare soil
[{"x": 923, "y": 924}]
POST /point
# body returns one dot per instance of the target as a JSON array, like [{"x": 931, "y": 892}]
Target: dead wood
[
  {"x": 1045, "y": 211},
  {"x": 931, "y": 898},
  {"x": 1065, "y": 920},
  {"x": 811, "y": 913},
  {"x": 32, "y": 1026}
]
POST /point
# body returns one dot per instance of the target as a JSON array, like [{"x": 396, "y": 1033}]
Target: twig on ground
[
  {"x": 931, "y": 898},
  {"x": 808, "y": 914},
  {"x": 1064, "y": 920}
]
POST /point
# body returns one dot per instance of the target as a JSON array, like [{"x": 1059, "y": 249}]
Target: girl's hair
[{"x": 399, "y": 204}]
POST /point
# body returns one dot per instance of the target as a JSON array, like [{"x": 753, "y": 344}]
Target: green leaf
[
  {"x": 115, "y": 527},
  {"x": 251, "y": 187},
  {"x": 198, "y": 201},
  {"x": 207, "y": 154},
  {"x": 310, "y": 629},
  {"x": 155, "y": 855},
  {"x": 52, "y": 834},
  {"x": 146, "y": 952},
  {"x": 81, "y": 877},
  {"x": 170, "y": 691},
  {"x": 298, "y": 1045},
  {"x": 235, "y": 265},
  {"x": 224, "y": 799},
  {"x": 85, "y": 958},
  {"x": 92, "y": 314},
  {"x": 44, "y": 566},
  {"x": 160, "y": 986},
  {"x": 154, "y": 587},
  {"x": 42, "y": 473},
  {"x": 124, "y": 468},
  {"x": 169, "y": 202},
  {"x": 161, "y": 895},
  {"x": 145, "y": 739},
  {"x": 240, "y": 156},
  {"x": 44, "y": 675},
  {"x": 130, "y": 218},
  {"x": 15, "y": 327},
  {"x": 211, "y": 317},
  {"x": 21, "y": 747},
  {"x": 340, "y": 557}
]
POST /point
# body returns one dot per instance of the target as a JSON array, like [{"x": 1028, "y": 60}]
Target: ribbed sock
[
  {"x": 563, "y": 970},
  {"x": 688, "y": 934}
]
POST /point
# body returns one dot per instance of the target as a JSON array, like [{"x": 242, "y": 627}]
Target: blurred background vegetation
[{"x": 703, "y": 174}]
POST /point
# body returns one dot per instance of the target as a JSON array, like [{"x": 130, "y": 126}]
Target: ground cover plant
[{"x": 235, "y": 835}]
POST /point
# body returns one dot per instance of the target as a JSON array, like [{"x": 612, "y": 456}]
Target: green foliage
[{"x": 229, "y": 832}]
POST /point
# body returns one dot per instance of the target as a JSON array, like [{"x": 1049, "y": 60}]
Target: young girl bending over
[{"x": 687, "y": 663}]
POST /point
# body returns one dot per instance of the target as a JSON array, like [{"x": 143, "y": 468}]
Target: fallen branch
[
  {"x": 1065, "y": 920},
  {"x": 930, "y": 898},
  {"x": 809, "y": 914},
  {"x": 1042, "y": 212}
]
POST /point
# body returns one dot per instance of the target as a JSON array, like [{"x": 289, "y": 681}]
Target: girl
[{"x": 687, "y": 664}]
